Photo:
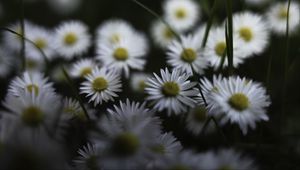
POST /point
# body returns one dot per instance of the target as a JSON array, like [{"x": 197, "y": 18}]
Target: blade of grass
[
  {"x": 22, "y": 52},
  {"x": 229, "y": 42}
]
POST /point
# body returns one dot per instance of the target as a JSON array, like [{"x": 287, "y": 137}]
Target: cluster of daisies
[{"x": 130, "y": 135}]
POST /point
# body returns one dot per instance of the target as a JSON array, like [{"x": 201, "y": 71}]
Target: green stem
[
  {"x": 229, "y": 42},
  {"x": 22, "y": 52},
  {"x": 209, "y": 23},
  {"x": 75, "y": 92}
]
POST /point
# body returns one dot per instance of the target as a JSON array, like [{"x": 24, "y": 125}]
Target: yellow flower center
[
  {"x": 180, "y": 13},
  {"x": 85, "y": 71},
  {"x": 142, "y": 85},
  {"x": 40, "y": 43},
  {"x": 32, "y": 116},
  {"x": 170, "y": 89},
  {"x": 200, "y": 114},
  {"x": 99, "y": 84},
  {"x": 220, "y": 48},
  {"x": 70, "y": 39},
  {"x": 246, "y": 34},
  {"x": 283, "y": 13},
  {"x": 32, "y": 88},
  {"x": 188, "y": 55},
  {"x": 168, "y": 34},
  {"x": 31, "y": 64},
  {"x": 239, "y": 101},
  {"x": 121, "y": 54},
  {"x": 160, "y": 149},
  {"x": 126, "y": 144}
]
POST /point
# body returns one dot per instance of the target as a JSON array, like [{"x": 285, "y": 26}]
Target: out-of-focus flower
[
  {"x": 6, "y": 62},
  {"x": 64, "y": 7},
  {"x": 82, "y": 68},
  {"x": 138, "y": 82},
  {"x": 162, "y": 34}
]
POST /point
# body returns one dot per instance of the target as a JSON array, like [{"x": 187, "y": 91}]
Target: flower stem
[
  {"x": 22, "y": 52},
  {"x": 229, "y": 42}
]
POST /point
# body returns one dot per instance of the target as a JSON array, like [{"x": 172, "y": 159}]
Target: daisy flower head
[
  {"x": 181, "y": 14},
  {"x": 30, "y": 82},
  {"x": 88, "y": 157},
  {"x": 129, "y": 130},
  {"x": 43, "y": 39},
  {"x": 72, "y": 39},
  {"x": 171, "y": 91},
  {"x": 127, "y": 54},
  {"x": 253, "y": 30},
  {"x": 71, "y": 108},
  {"x": 138, "y": 81},
  {"x": 162, "y": 34},
  {"x": 113, "y": 31},
  {"x": 35, "y": 62},
  {"x": 186, "y": 55},
  {"x": 82, "y": 68},
  {"x": 216, "y": 47},
  {"x": 196, "y": 120},
  {"x": 6, "y": 62},
  {"x": 277, "y": 17},
  {"x": 242, "y": 102},
  {"x": 101, "y": 85}
]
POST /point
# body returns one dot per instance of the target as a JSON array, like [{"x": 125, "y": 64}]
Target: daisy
[
  {"x": 138, "y": 81},
  {"x": 35, "y": 63},
  {"x": 256, "y": 2},
  {"x": 172, "y": 91},
  {"x": 162, "y": 34},
  {"x": 31, "y": 82},
  {"x": 196, "y": 120},
  {"x": 64, "y": 7},
  {"x": 101, "y": 85},
  {"x": 72, "y": 39},
  {"x": 88, "y": 157},
  {"x": 181, "y": 14},
  {"x": 277, "y": 17},
  {"x": 128, "y": 53},
  {"x": 6, "y": 62},
  {"x": 71, "y": 108},
  {"x": 242, "y": 101},
  {"x": 129, "y": 131},
  {"x": 186, "y": 55},
  {"x": 216, "y": 47},
  {"x": 113, "y": 31},
  {"x": 253, "y": 31},
  {"x": 43, "y": 39},
  {"x": 82, "y": 68}
]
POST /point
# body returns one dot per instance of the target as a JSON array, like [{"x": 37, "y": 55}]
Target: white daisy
[
  {"x": 43, "y": 39},
  {"x": 71, "y": 108},
  {"x": 196, "y": 120},
  {"x": 82, "y": 68},
  {"x": 181, "y": 14},
  {"x": 129, "y": 131},
  {"x": 277, "y": 17},
  {"x": 35, "y": 63},
  {"x": 6, "y": 62},
  {"x": 101, "y": 85},
  {"x": 128, "y": 53},
  {"x": 64, "y": 7},
  {"x": 253, "y": 30},
  {"x": 88, "y": 157},
  {"x": 162, "y": 34},
  {"x": 215, "y": 48},
  {"x": 113, "y": 31},
  {"x": 172, "y": 91},
  {"x": 138, "y": 81},
  {"x": 72, "y": 39},
  {"x": 31, "y": 82},
  {"x": 242, "y": 101},
  {"x": 186, "y": 55}
]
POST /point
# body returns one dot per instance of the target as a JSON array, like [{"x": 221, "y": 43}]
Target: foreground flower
[
  {"x": 181, "y": 14},
  {"x": 72, "y": 39},
  {"x": 172, "y": 91},
  {"x": 101, "y": 85},
  {"x": 253, "y": 31},
  {"x": 126, "y": 54},
  {"x": 186, "y": 56},
  {"x": 240, "y": 101},
  {"x": 277, "y": 17}
]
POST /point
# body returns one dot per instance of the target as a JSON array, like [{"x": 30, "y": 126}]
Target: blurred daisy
[
  {"x": 64, "y": 7},
  {"x": 34, "y": 63},
  {"x": 162, "y": 34},
  {"x": 216, "y": 47},
  {"x": 43, "y": 39},
  {"x": 82, "y": 68},
  {"x": 101, "y": 85},
  {"x": 277, "y": 17},
  {"x": 181, "y": 14},
  {"x": 172, "y": 91},
  {"x": 256, "y": 2},
  {"x": 196, "y": 120},
  {"x": 253, "y": 31},
  {"x": 72, "y": 39},
  {"x": 71, "y": 108},
  {"x": 128, "y": 53},
  {"x": 242, "y": 101},
  {"x": 138, "y": 81},
  {"x": 113, "y": 31},
  {"x": 186, "y": 55},
  {"x": 30, "y": 82},
  {"x": 6, "y": 63},
  {"x": 129, "y": 131},
  {"x": 88, "y": 157}
]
